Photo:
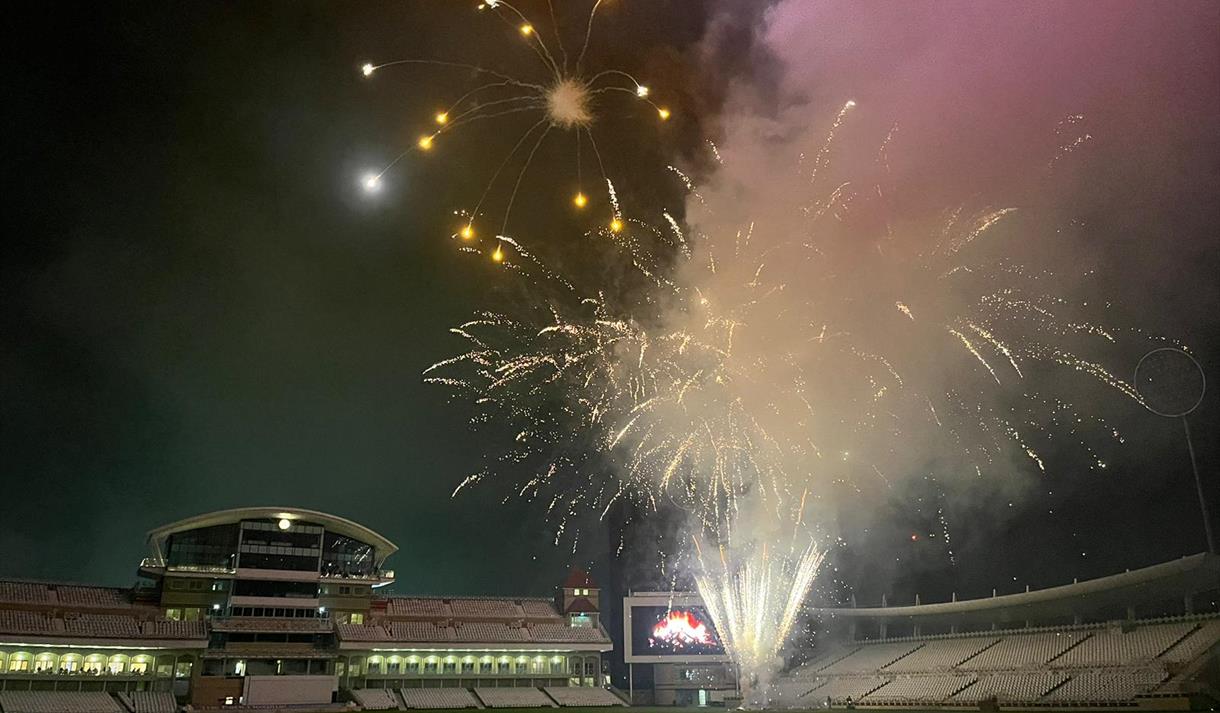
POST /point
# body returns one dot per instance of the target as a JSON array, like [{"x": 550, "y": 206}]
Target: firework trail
[{"x": 743, "y": 369}]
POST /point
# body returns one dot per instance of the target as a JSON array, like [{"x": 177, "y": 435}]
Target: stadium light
[
  {"x": 1172, "y": 384},
  {"x": 285, "y": 523}
]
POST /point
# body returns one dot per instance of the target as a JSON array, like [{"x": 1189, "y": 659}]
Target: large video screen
[{"x": 673, "y": 631}]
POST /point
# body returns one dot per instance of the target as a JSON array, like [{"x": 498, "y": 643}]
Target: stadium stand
[
  {"x": 1100, "y": 665},
  {"x": 92, "y": 597},
  {"x": 538, "y": 608},
  {"x": 152, "y": 702},
  {"x": 166, "y": 629},
  {"x": 109, "y": 626},
  {"x": 437, "y": 698},
  {"x": 872, "y": 657},
  {"x": 513, "y": 698},
  {"x": 25, "y": 593},
  {"x": 491, "y": 608},
  {"x": 361, "y": 632},
  {"x": 1113, "y": 646},
  {"x": 25, "y": 622},
  {"x": 574, "y": 697},
  {"x": 417, "y": 607},
  {"x": 481, "y": 631},
  {"x": 376, "y": 699},
  {"x": 560, "y": 633},
  {"x": 418, "y": 631},
  {"x": 1204, "y": 637},
  {"x": 941, "y": 655},
  {"x": 1023, "y": 651},
  {"x": 838, "y": 690},
  {"x": 58, "y": 702},
  {"x": 1011, "y": 687},
  {"x": 919, "y": 689}
]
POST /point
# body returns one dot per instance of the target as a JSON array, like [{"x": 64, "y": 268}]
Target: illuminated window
[
  {"x": 357, "y": 618},
  {"x": 140, "y": 667},
  {"x": 173, "y": 614}
]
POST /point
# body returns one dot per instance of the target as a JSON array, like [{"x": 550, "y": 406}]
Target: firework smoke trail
[{"x": 745, "y": 369}]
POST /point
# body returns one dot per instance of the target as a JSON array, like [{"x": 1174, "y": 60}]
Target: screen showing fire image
[{"x": 679, "y": 631}]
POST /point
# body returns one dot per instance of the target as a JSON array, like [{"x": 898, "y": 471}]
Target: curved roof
[
  {"x": 1194, "y": 573},
  {"x": 333, "y": 523}
]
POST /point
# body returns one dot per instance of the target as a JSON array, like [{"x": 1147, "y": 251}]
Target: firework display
[
  {"x": 567, "y": 97},
  {"x": 758, "y": 363}
]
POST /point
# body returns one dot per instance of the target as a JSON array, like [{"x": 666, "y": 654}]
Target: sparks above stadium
[{"x": 567, "y": 99}]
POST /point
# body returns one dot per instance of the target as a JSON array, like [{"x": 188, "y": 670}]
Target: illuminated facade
[{"x": 268, "y": 606}]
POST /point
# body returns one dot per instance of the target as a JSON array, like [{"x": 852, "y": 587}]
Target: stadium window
[
  {"x": 344, "y": 591},
  {"x": 190, "y": 614},
  {"x": 19, "y": 661},
  {"x": 357, "y": 618},
  {"x": 450, "y": 667},
  {"x": 468, "y": 667},
  {"x": 140, "y": 667},
  {"x": 196, "y": 585},
  {"x": 176, "y": 583},
  {"x": 429, "y": 667},
  {"x": 485, "y": 667}
]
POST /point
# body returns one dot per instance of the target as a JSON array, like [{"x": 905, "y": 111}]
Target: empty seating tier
[
  {"x": 153, "y": 702},
  {"x": 92, "y": 597},
  {"x": 559, "y": 632},
  {"x": 24, "y": 593},
  {"x": 58, "y": 702},
  {"x": 871, "y": 657},
  {"x": 1011, "y": 687},
  {"x": 941, "y": 655},
  {"x": 1113, "y": 646},
  {"x": 163, "y": 629},
  {"x": 112, "y": 626},
  {"x": 1022, "y": 651},
  {"x": 437, "y": 698},
  {"x": 575, "y": 697},
  {"x": 513, "y": 698},
  {"x": 375, "y": 699},
  {"x": 920, "y": 689},
  {"x": 1195, "y": 643},
  {"x": 538, "y": 608},
  {"x": 413, "y": 606},
  {"x": 489, "y": 633},
  {"x": 418, "y": 631},
  {"x": 491, "y": 608},
  {"x": 840, "y": 689},
  {"x": 24, "y": 622}
]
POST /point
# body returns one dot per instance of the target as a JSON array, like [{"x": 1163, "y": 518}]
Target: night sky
[{"x": 202, "y": 310}]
